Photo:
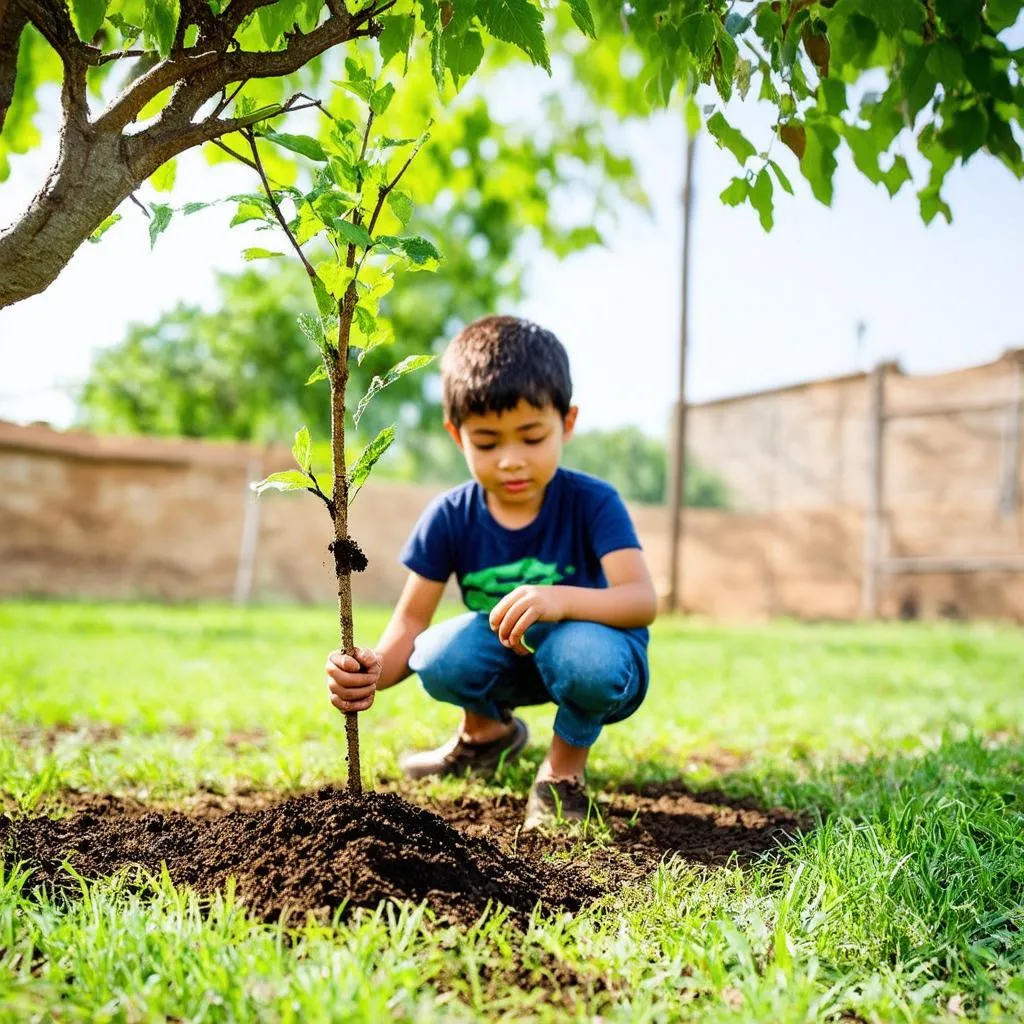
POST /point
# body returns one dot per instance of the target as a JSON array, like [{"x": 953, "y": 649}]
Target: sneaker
[
  {"x": 460, "y": 756},
  {"x": 552, "y": 803}
]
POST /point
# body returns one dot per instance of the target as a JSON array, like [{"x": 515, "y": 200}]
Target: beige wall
[{"x": 140, "y": 517}]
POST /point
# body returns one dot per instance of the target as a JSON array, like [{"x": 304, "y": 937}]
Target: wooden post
[
  {"x": 250, "y": 531},
  {"x": 677, "y": 466},
  {"x": 875, "y": 498}
]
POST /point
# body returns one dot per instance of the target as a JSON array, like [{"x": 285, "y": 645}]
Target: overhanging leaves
[
  {"x": 730, "y": 138},
  {"x": 517, "y": 22}
]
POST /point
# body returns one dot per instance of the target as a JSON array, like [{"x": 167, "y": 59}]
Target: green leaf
[
  {"x": 302, "y": 144},
  {"x": 246, "y": 212},
  {"x": 256, "y": 253},
  {"x": 1002, "y": 14},
  {"x": 162, "y": 179},
  {"x": 352, "y": 234},
  {"x": 368, "y": 458},
  {"x": 288, "y": 480},
  {"x": 932, "y": 204},
  {"x": 378, "y": 384},
  {"x": 517, "y": 22},
  {"x": 88, "y": 15},
  {"x": 918, "y": 82},
  {"x": 698, "y": 31},
  {"x": 362, "y": 88},
  {"x": 160, "y": 217},
  {"x": 387, "y": 142},
  {"x": 127, "y": 31},
  {"x": 336, "y": 278},
  {"x": 276, "y": 19},
  {"x": 194, "y": 207},
  {"x": 159, "y": 21},
  {"x": 381, "y": 99},
  {"x": 319, "y": 373},
  {"x": 780, "y": 175},
  {"x": 730, "y": 138},
  {"x": 897, "y": 176},
  {"x": 819, "y": 163},
  {"x": 396, "y": 35},
  {"x": 736, "y": 192},
  {"x": 418, "y": 250},
  {"x": 107, "y": 224},
  {"x": 431, "y": 12},
  {"x": 316, "y": 330},
  {"x": 761, "y": 198},
  {"x": 401, "y": 206},
  {"x": 736, "y": 24},
  {"x": 464, "y": 57},
  {"x": 302, "y": 449},
  {"x": 366, "y": 322},
  {"x": 583, "y": 17}
]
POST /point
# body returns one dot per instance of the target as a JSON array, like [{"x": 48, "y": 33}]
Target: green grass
[{"x": 904, "y": 901}]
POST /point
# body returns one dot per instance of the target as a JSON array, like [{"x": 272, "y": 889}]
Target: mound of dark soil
[{"x": 316, "y": 852}]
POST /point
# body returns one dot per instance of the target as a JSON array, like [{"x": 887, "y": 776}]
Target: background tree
[{"x": 636, "y": 464}]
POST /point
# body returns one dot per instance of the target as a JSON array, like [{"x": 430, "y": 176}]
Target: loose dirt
[
  {"x": 321, "y": 851},
  {"x": 313, "y": 853}
]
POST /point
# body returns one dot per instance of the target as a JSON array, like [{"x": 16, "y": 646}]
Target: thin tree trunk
[{"x": 339, "y": 381}]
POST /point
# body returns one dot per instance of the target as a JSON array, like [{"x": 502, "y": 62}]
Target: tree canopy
[{"x": 144, "y": 80}]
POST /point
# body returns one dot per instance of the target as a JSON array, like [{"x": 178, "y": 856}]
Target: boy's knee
[
  {"x": 589, "y": 668},
  {"x": 446, "y": 658}
]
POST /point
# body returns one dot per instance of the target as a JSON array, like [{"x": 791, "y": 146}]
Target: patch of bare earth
[{"x": 318, "y": 851}]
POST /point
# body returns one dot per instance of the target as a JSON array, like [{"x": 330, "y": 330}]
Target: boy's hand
[
  {"x": 352, "y": 682},
  {"x": 513, "y": 615}
]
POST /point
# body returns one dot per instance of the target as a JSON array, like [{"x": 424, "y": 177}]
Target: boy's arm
[
  {"x": 413, "y": 612},
  {"x": 629, "y": 601}
]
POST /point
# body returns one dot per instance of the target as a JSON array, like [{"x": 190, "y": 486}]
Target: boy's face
[{"x": 514, "y": 454}]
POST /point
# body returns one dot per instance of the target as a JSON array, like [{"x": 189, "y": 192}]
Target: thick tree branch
[
  {"x": 53, "y": 22},
  {"x": 13, "y": 20},
  {"x": 99, "y": 164},
  {"x": 199, "y": 77}
]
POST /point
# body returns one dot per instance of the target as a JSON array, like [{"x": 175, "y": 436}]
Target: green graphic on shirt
[{"x": 483, "y": 589}]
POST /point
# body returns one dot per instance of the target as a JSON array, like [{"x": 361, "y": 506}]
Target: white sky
[{"x": 766, "y": 309}]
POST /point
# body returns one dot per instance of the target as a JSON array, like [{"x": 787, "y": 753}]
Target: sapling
[{"x": 355, "y": 191}]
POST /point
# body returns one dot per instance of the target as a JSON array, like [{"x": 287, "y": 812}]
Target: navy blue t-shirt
[{"x": 581, "y": 520}]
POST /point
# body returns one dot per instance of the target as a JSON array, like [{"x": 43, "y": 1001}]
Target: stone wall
[{"x": 125, "y": 518}]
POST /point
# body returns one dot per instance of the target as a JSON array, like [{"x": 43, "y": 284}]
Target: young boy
[{"x": 548, "y": 563}]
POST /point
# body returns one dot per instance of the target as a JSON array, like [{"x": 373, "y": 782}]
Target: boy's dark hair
[{"x": 494, "y": 362}]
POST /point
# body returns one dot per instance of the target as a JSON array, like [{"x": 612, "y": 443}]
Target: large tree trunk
[{"x": 88, "y": 182}]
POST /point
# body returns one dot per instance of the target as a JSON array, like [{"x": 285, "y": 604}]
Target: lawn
[{"x": 898, "y": 894}]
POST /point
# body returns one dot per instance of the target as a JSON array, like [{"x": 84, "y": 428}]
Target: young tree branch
[
  {"x": 307, "y": 266},
  {"x": 382, "y": 195}
]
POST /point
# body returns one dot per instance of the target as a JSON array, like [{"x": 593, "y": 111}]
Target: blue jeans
[{"x": 594, "y": 673}]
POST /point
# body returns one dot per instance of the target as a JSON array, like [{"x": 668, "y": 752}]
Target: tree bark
[
  {"x": 99, "y": 165},
  {"x": 339, "y": 382}
]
